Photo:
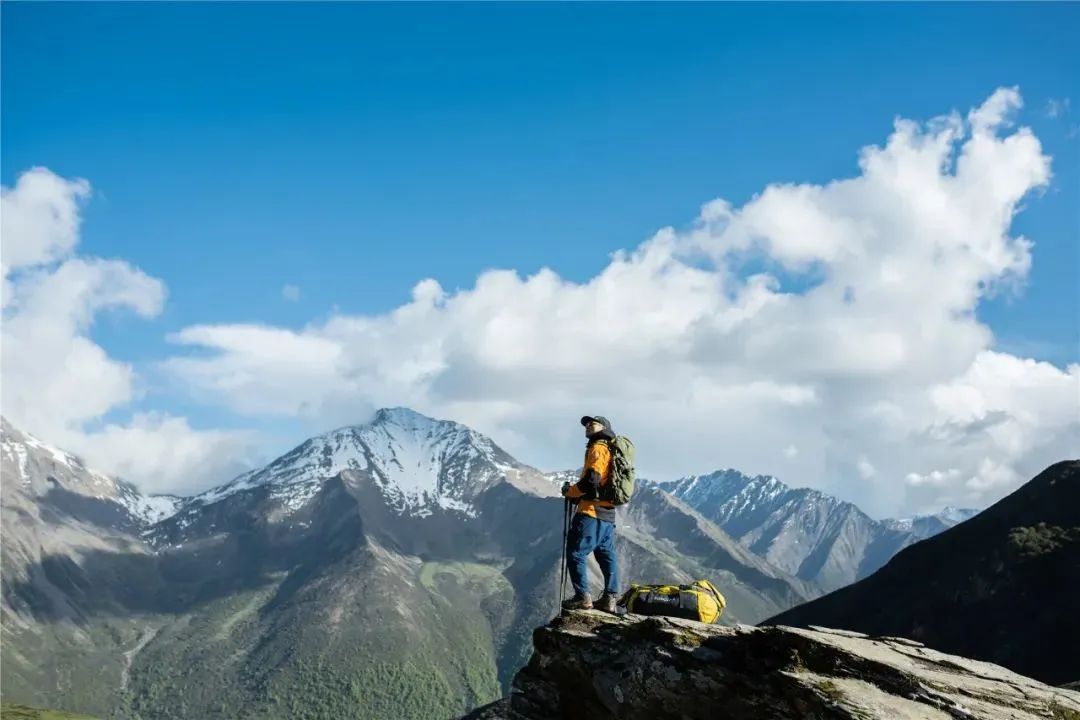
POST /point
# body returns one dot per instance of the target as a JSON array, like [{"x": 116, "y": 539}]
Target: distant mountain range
[
  {"x": 390, "y": 569},
  {"x": 1003, "y": 586},
  {"x": 386, "y": 570},
  {"x": 804, "y": 532}
]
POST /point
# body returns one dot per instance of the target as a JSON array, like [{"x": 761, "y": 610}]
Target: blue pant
[{"x": 589, "y": 536}]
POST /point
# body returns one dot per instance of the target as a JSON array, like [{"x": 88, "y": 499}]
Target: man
[{"x": 592, "y": 531}]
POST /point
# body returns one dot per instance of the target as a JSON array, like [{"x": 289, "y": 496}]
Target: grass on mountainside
[
  {"x": 24, "y": 712},
  {"x": 1058, "y": 712},
  {"x": 476, "y": 578}
]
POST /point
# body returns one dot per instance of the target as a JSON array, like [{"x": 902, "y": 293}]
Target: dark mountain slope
[{"x": 1003, "y": 586}]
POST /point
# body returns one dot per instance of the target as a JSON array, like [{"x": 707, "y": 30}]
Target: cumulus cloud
[
  {"x": 839, "y": 319},
  {"x": 56, "y": 380},
  {"x": 40, "y": 220}
]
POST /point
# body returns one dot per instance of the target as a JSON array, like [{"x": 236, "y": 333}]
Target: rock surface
[{"x": 592, "y": 665}]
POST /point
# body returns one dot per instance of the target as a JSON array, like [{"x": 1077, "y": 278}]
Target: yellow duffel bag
[{"x": 699, "y": 601}]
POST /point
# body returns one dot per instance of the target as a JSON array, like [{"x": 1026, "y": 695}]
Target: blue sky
[{"x": 352, "y": 150}]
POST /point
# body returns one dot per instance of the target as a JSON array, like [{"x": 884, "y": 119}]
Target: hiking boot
[
  {"x": 606, "y": 603},
  {"x": 578, "y": 602}
]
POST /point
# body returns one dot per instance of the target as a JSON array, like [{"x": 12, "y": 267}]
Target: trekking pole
[{"x": 562, "y": 557}]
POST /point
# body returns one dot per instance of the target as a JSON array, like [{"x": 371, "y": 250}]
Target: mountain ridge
[{"x": 806, "y": 532}]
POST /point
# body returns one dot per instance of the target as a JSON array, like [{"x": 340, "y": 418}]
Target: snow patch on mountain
[
  {"x": 924, "y": 526},
  {"x": 16, "y": 452},
  {"x": 20, "y": 447},
  {"x": 152, "y": 509},
  {"x": 21, "y": 442}
]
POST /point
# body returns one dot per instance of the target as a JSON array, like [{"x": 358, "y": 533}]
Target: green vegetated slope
[
  {"x": 85, "y": 666},
  {"x": 410, "y": 649},
  {"x": 25, "y": 712}
]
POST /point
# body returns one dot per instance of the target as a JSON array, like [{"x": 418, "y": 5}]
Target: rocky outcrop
[{"x": 592, "y": 665}]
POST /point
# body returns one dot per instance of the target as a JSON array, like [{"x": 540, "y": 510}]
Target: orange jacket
[{"x": 598, "y": 458}]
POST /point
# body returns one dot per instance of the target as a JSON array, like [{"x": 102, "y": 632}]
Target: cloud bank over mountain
[
  {"x": 56, "y": 380},
  {"x": 827, "y": 334}
]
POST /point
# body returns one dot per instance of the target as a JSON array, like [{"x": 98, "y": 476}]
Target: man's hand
[{"x": 566, "y": 487}]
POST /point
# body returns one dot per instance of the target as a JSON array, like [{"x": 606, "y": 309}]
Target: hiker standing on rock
[{"x": 592, "y": 530}]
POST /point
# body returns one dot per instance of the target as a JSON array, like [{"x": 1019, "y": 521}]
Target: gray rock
[
  {"x": 837, "y": 631},
  {"x": 498, "y": 710},
  {"x": 592, "y": 665}
]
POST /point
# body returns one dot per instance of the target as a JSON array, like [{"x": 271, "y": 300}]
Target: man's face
[{"x": 593, "y": 428}]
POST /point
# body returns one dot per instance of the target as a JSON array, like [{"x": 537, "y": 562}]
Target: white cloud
[
  {"x": 54, "y": 373},
  {"x": 858, "y": 343},
  {"x": 40, "y": 221},
  {"x": 56, "y": 380},
  {"x": 1056, "y": 108},
  {"x": 41, "y": 218},
  {"x": 934, "y": 477},
  {"x": 290, "y": 292},
  {"x": 165, "y": 453}
]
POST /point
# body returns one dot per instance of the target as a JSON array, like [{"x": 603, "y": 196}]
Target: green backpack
[{"x": 620, "y": 487}]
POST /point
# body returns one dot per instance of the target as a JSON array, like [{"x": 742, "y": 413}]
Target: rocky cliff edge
[{"x": 593, "y": 665}]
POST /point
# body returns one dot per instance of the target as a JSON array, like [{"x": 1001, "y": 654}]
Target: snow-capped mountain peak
[
  {"x": 418, "y": 463},
  {"x": 729, "y": 492}
]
